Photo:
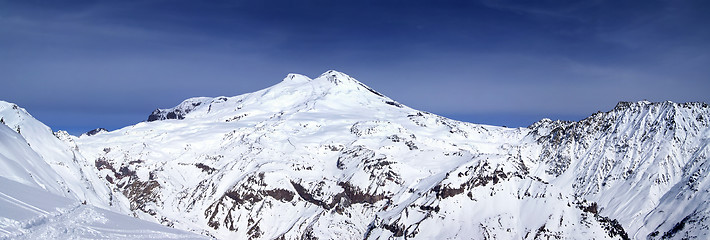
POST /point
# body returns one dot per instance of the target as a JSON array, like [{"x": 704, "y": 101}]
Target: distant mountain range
[{"x": 331, "y": 158}]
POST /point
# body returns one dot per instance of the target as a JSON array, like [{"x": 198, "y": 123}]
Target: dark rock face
[
  {"x": 178, "y": 112},
  {"x": 139, "y": 193},
  {"x": 155, "y": 116},
  {"x": 393, "y": 103},
  {"x": 350, "y": 195},
  {"x": 205, "y": 168},
  {"x": 160, "y": 114},
  {"x": 102, "y": 163},
  {"x": 95, "y": 131},
  {"x": 611, "y": 226}
]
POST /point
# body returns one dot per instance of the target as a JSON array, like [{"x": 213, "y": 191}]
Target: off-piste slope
[
  {"x": 332, "y": 158},
  {"x": 35, "y": 155},
  {"x": 27, "y": 212},
  {"x": 39, "y": 201}
]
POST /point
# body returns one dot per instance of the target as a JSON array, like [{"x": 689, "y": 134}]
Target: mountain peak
[
  {"x": 331, "y": 76},
  {"x": 325, "y": 79},
  {"x": 625, "y": 105},
  {"x": 332, "y": 90},
  {"x": 337, "y": 77},
  {"x": 296, "y": 78}
]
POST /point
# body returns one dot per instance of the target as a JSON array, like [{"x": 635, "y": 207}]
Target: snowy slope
[
  {"x": 38, "y": 200},
  {"x": 20, "y": 163},
  {"x": 27, "y": 212},
  {"x": 68, "y": 175},
  {"x": 332, "y": 158},
  {"x": 643, "y": 163}
]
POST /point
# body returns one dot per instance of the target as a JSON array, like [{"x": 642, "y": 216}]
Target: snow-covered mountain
[
  {"x": 49, "y": 191},
  {"x": 331, "y": 158},
  {"x": 47, "y": 159},
  {"x": 644, "y": 164}
]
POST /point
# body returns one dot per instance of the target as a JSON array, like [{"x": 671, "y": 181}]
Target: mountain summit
[{"x": 332, "y": 91}]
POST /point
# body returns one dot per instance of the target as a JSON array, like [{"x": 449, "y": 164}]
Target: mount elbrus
[{"x": 330, "y": 158}]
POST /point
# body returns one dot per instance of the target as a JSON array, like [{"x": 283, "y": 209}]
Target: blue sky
[{"x": 79, "y": 65}]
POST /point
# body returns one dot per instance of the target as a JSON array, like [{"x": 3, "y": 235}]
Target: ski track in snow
[
  {"x": 11, "y": 200},
  {"x": 30, "y": 213}
]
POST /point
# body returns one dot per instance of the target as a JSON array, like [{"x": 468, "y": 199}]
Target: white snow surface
[
  {"x": 332, "y": 158},
  {"x": 68, "y": 175},
  {"x": 27, "y": 212}
]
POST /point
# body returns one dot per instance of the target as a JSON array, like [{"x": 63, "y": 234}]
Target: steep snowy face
[
  {"x": 18, "y": 162},
  {"x": 642, "y": 162},
  {"x": 51, "y": 159}
]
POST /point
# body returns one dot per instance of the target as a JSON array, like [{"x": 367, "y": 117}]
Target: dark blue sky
[{"x": 79, "y": 65}]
